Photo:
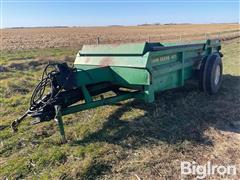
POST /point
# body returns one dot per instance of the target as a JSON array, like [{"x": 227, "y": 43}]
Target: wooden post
[
  {"x": 98, "y": 40},
  {"x": 236, "y": 34},
  {"x": 218, "y": 35}
]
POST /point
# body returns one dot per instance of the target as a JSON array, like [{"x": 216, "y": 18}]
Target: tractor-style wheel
[
  {"x": 211, "y": 74},
  {"x": 200, "y": 73}
]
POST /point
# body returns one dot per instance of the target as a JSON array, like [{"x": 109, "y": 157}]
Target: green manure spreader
[{"x": 135, "y": 70}]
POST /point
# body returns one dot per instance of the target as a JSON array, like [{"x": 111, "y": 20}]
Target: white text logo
[{"x": 202, "y": 171}]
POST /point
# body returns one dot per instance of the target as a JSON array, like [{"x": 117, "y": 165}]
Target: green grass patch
[{"x": 21, "y": 55}]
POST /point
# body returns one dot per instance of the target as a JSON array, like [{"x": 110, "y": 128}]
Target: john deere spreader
[{"x": 136, "y": 70}]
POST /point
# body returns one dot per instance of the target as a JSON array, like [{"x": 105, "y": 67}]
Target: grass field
[{"x": 124, "y": 141}]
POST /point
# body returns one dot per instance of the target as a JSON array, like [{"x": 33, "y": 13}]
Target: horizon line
[{"x": 113, "y": 25}]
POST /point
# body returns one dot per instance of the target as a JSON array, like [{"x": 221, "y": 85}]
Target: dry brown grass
[{"x": 76, "y": 37}]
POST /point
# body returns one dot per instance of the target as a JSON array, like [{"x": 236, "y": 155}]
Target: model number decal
[{"x": 164, "y": 58}]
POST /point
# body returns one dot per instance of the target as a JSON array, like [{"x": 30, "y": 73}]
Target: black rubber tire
[
  {"x": 200, "y": 73},
  {"x": 211, "y": 80}
]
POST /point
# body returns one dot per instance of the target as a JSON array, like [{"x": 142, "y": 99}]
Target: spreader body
[
  {"x": 147, "y": 67},
  {"x": 136, "y": 70}
]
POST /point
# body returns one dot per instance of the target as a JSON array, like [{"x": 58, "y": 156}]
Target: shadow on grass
[{"x": 176, "y": 115}]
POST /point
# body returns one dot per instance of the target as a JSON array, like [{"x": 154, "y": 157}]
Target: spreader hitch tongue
[
  {"x": 15, "y": 123},
  {"x": 46, "y": 94}
]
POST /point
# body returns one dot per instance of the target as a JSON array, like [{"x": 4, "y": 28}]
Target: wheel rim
[{"x": 217, "y": 75}]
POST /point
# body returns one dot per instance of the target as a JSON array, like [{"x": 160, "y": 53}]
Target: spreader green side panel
[
  {"x": 92, "y": 76},
  {"x": 121, "y": 64},
  {"x": 114, "y": 75},
  {"x": 116, "y": 60},
  {"x": 171, "y": 69},
  {"x": 114, "y": 49},
  {"x": 131, "y": 76}
]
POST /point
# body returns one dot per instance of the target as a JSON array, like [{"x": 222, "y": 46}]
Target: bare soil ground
[{"x": 75, "y": 37}]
